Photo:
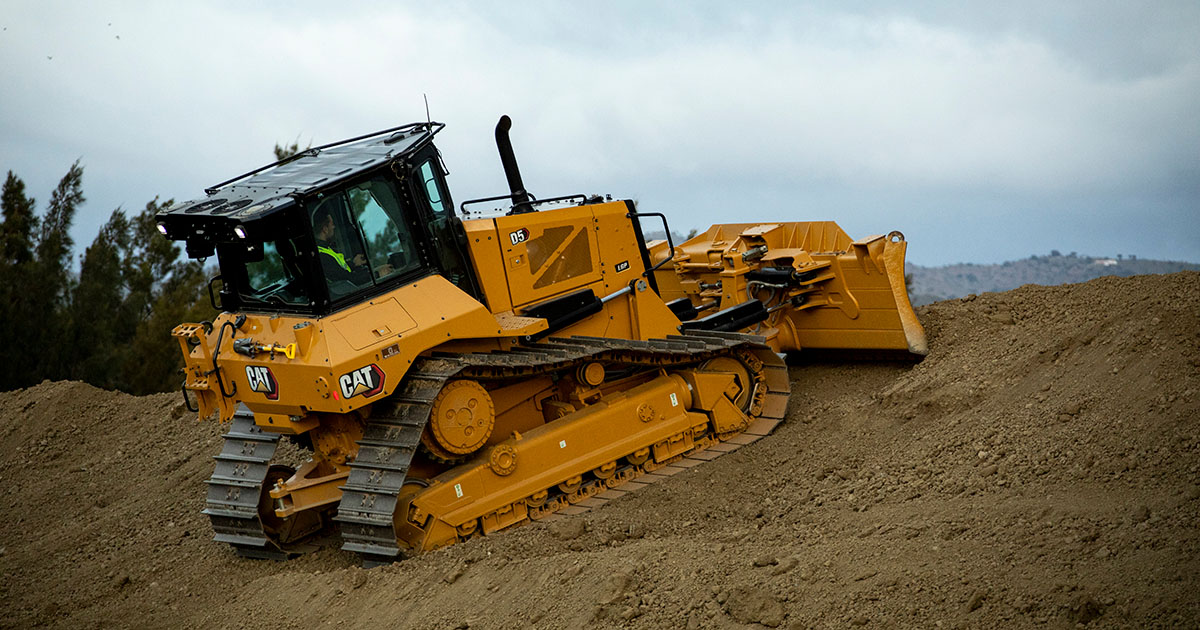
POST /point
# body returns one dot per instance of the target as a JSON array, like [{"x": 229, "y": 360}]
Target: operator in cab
[{"x": 333, "y": 262}]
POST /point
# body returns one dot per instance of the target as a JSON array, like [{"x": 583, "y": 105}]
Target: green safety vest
[{"x": 341, "y": 260}]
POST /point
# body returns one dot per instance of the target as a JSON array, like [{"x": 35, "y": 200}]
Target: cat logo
[
  {"x": 365, "y": 381},
  {"x": 262, "y": 381}
]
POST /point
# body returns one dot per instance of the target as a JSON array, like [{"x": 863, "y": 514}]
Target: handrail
[{"x": 666, "y": 229}]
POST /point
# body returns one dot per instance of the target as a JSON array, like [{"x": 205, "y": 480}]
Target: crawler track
[
  {"x": 236, "y": 485},
  {"x": 391, "y": 437}
]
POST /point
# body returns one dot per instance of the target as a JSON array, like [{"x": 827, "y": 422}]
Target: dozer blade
[{"x": 810, "y": 285}]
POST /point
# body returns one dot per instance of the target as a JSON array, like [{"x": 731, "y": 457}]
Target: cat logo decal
[
  {"x": 262, "y": 381},
  {"x": 365, "y": 381}
]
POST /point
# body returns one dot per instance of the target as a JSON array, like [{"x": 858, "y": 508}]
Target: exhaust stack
[{"x": 520, "y": 197}]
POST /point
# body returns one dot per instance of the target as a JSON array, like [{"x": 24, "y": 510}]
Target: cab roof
[{"x": 269, "y": 189}]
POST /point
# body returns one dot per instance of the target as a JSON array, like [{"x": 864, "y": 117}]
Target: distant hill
[
  {"x": 658, "y": 235},
  {"x": 931, "y": 284}
]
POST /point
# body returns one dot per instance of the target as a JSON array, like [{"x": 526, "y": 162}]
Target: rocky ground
[{"x": 1041, "y": 468}]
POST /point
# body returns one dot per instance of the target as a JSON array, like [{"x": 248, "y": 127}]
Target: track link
[
  {"x": 386, "y": 450},
  {"x": 236, "y": 485},
  {"x": 392, "y": 435}
]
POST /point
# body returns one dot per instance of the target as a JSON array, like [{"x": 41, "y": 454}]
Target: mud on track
[{"x": 1041, "y": 468}]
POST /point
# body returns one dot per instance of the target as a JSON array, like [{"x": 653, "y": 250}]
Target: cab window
[
  {"x": 274, "y": 274},
  {"x": 441, "y": 226},
  {"x": 362, "y": 238},
  {"x": 433, "y": 190}
]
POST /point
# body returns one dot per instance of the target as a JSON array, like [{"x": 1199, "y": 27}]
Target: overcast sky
[{"x": 984, "y": 131}]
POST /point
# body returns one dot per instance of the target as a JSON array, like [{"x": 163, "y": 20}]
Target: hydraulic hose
[{"x": 217, "y": 352}]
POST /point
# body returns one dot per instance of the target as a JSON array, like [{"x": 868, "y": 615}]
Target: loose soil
[{"x": 1040, "y": 468}]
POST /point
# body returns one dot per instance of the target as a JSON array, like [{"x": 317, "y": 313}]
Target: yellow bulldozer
[{"x": 459, "y": 372}]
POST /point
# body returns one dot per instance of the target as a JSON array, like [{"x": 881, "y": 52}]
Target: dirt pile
[{"x": 1040, "y": 468}]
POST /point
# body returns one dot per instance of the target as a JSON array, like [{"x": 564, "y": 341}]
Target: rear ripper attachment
[{"x": 623, "y": 412}]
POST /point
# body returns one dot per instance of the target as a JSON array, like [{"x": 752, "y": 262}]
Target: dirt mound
[{"x": 1041, "y": 466}]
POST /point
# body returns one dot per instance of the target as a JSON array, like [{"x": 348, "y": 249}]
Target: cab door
[{"x": 443, "y": 229}]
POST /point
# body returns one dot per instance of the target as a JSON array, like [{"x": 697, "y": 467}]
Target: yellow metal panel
[
  {"x": 572, "y": 445},
  {"x": 488, "y": 261},
  {"x": 548, "y": 253},
  {"x": 620, "y": 258},
  {"x": 366, "y": 327},
  {"x": 893, "y": 256},
  {"x": 414, "y": 318}
]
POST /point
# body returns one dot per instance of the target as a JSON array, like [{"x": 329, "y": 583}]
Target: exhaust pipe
[{"x": 520, "y": 197}]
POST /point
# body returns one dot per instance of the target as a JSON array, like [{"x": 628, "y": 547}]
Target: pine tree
[
  {"x": 16, "y": 233},
  {"x": 47, "y": 317},
  {"x": 159, "y": 361},
  {"x": 111, "y": 325},
  {"x": 16, "y": 286},
  {"x": 132, "y": 290},
  {"x": 99, "y": 330}
]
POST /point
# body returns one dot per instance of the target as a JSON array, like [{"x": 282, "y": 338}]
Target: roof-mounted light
[
  {"x": 162, "y": 228},
  {"x": 240, "y": 231}
]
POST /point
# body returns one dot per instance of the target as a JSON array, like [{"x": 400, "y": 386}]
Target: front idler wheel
[{"x": 285, "y": 532}]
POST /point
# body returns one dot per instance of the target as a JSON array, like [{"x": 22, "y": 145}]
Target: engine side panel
[{"x": 526, "y": 259}]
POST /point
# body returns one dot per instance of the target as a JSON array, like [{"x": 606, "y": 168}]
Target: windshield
[{"x": 273, "y": 275}]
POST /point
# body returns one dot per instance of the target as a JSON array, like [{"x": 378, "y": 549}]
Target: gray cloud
[{"x": 983, "y": 132}]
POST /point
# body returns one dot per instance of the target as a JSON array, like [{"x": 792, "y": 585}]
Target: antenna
[{"x": 427, "y": 118}]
